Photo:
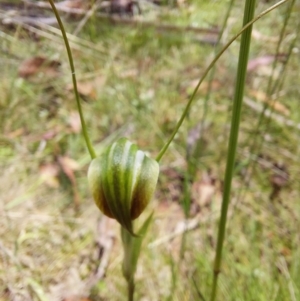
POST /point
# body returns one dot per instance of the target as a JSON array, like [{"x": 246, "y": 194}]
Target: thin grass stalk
[
  {"x": 199, "y": 294},
  {"x": 279, "y": 81},
  {"x": 277, "y": 85},
  {"x": 274, "y": 65},
  {"x": 174, "y": 272},
  {"x": 72, "y": 67},
  {"x": 210, "y": 66},
  {"x": 282, "y": 33},
  {"x": 269, "y": 92},
  {"x": 191, "y": 158},
  {"x": 233, "y": 138},
  {"x": 212, "y": 73},
  {"x": 186, "y": 205}
]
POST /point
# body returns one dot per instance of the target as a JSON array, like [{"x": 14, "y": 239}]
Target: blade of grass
[
  {"x": 233, "y": 138},
  {"x": 200, "y": 295},
  {"x": 72, "y": 67},
  {"x": 210, "y": 82},
  {"x": 210, "y": 66},
  {"x": 192, "y": 159},
  {"x": 258, "y": 142}
]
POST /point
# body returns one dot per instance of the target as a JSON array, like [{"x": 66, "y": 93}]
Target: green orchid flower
[{"x": 122, "y": 181}]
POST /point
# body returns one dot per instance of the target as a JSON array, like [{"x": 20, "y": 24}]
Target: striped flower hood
[{"x": 122, "y": 181}]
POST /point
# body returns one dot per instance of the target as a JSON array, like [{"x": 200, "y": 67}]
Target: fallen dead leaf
[
  {"x": 88, "y": 88},
  {"x": 68, "y": 163},
  {"x": 203, "y": 191},
  {"x": 285, "y": 251},
  {"x": 38, "y": 64},
  {"x": 260, "y": 61},
  {"x": 68, "y": 166},
  {"x": 74, "y": 122},
  {"x": 264, "y": 60},
  {"x": 276, "y": 105},
  {"x": 261, "y": 37},
  {"x": 49, "y": 174},
  {"x": 50, "y": 134},
  {"x": 278, "y": 180},
  {"x": 131, "y": 73},
  {"x": 172, "y": 181},
  {"x": 73, "y": 4},
  {"x": 15, "y": 133},
  {"x": 181, "y": 3}
]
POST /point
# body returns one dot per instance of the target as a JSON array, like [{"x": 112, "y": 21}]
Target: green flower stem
[
  {"x": 84, "y": 129},
  {"x": 210, "y": 66},
  {"x": 132, "y": 248},
  {"x": 233, "y": 138},
  {"x": 130, "y": 284},
  {"x": 130, "y": 260}
]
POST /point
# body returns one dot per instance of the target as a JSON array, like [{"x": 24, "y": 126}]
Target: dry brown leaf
[
  {"x": 68, "y": 166},
  {"x": 88, "y": 88},
  {"x": 131, "y": 73},
  {"x": 277, "y": 106},
  {"x": 49, "y": 174},
  {"x": 181, "y": 3},
  {"x": 260, "y": 61},
  {"x": 215, "y": 85},
  {"x": 264, "y": 60},
  {"x": 285, "y": 251},
  {"x": 49, "y": 135},
  {"x": 72, "y": 4},
  {"x": 74, "y": 122},
  {"x": 15, "y": 133},
  {"x": 173, "y": 183},
  {"x": 259, "y": 95},
  {"x": 203, "y": 193},
  {"x": 261, "y": 37},
  {"x": 38, "y": 64},
  {"x": 30, "y": 66},
  {"x": 68, "y": 163},
  {"x": 278, "y": 180}
]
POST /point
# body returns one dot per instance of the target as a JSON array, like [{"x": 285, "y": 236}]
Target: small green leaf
[{"x": 132, "y": 248}]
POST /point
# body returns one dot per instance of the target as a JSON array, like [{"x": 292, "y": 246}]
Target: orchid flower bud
[{"x": 122, "y": 181}]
